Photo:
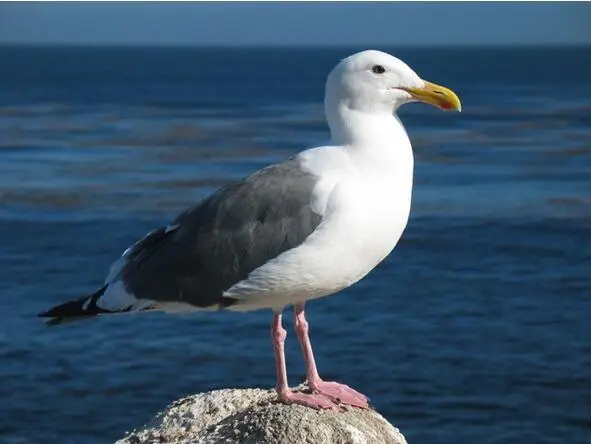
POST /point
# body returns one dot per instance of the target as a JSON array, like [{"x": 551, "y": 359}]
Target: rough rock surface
[{"x": 253, "y": 416}]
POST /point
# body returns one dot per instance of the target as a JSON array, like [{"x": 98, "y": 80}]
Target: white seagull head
[{"x": 376, "y": 82}]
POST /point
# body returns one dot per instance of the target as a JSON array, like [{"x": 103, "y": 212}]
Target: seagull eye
[{"x": 378, "y": 69}]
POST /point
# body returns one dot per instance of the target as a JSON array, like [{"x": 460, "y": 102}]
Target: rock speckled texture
[{"x": 253, "y": 416}]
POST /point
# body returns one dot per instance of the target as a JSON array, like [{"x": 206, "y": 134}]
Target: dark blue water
[{"x": 475, "y": 330}]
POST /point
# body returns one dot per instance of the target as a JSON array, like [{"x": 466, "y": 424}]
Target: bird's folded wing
[{"x": 220, "y": 241}]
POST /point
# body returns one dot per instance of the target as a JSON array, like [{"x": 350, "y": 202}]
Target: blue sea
[{"x": 477, "y": 328}]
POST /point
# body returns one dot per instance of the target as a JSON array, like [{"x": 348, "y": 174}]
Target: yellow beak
[{"x": 439, "y": 96}]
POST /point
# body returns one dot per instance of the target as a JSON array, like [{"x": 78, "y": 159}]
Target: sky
[{"x": 323, "y": 24}]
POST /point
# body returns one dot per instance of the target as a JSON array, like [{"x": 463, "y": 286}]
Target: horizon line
[{"x": 290, "y": 46}]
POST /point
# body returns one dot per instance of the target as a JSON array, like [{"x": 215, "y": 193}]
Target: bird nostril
[{"x": 438, "y": 93}]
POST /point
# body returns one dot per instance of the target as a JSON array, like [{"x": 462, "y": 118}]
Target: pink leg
[
  {"x": 286, "y": 395},
  {"x": 333, "y": 390}
]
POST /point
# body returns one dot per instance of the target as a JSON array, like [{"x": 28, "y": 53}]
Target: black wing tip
[
  {"x": 61, "y": 315},
  {"x": 56, "y": 319},
  {"x": 78, "y": 309}
]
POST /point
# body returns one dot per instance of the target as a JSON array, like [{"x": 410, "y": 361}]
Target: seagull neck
[{"x": 375, "y": 131}]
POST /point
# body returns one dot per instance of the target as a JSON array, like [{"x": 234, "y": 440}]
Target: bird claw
[
  {"x": 340, "y": 393},
  {"x": 313, "y": 400}
]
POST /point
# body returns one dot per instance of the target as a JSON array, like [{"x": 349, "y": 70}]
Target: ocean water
[{"x": 477, "y": 329}]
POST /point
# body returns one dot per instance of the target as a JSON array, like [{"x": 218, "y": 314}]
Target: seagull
[{"x": 294, "y": 231}]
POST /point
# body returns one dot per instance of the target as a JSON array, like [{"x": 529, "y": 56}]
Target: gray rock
[{"x": 253, "y": 416}]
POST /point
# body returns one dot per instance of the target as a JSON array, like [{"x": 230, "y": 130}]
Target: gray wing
[{"x": 219, "y": 241}]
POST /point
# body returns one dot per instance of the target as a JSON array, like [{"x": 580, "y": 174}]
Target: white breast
[{"x": 369, "y": 222}]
